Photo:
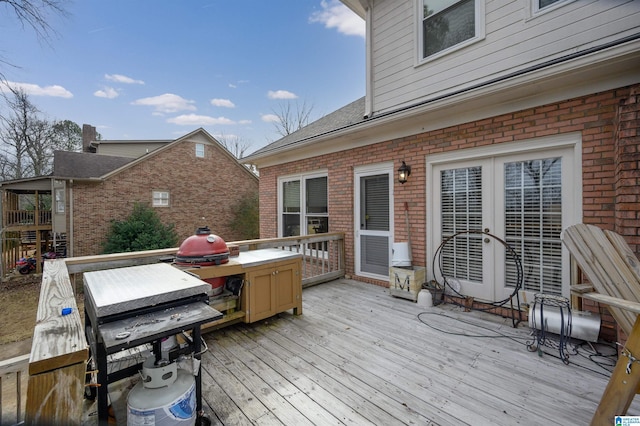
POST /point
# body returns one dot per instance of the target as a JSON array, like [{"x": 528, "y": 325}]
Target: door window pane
[
  {"x": 461, "y": 201},
  {"x": 375, "y": 203},
  {"x": 533, "y": 221}
]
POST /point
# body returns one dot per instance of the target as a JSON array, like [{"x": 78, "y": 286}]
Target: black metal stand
[
  {"x": 559, "y": 306},
  {"x": 131, "y": 330}
]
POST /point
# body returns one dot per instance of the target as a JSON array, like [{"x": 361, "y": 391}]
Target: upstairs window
[
  {"x": 200, "y": 150},
  {"x": 446, "y": 24},
  {"x": 540, "y": 6}
]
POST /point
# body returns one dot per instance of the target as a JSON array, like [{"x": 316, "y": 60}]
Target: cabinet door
[
  {"x": 261, "y": 294},
  {"x": 287, "y": 287}
]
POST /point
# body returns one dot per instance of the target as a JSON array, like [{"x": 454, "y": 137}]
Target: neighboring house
[
  {"x": 119, "y": 148},
  {"x": 516, "y": 117},
  {"x": 191, "y": 181}
]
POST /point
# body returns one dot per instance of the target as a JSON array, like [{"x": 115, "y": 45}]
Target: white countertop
[{"x": 263, "y": 256}]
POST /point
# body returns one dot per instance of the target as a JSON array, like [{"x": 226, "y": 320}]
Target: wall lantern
[{"x": 403, "y": 173}]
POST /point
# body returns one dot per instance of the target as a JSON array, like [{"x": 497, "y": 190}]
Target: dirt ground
[{"x": 19, "y": 300}]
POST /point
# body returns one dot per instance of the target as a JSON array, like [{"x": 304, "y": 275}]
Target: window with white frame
[
  {"x": 160, "y": 198},
  {"x": 447, "y": 24},
  {"x": 59, "y": 200},
  {"x": 545, "y": 5},
  {"x": 303, "y": 204},
  {"x": 200, "y": 150}
]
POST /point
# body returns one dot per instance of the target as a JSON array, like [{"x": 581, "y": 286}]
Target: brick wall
[
  {"x": 199, "y": 188},
  {"x": 609, "y": 175},
  {"x": 627, "y": 168}
]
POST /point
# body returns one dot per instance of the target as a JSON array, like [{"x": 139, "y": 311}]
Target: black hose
[{"x": 492, "y": 305}]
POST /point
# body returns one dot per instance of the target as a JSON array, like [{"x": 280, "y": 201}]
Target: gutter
[{"x": 524, "y": 71}]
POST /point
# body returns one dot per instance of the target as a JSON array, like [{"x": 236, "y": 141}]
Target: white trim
[
  {"x": 480, "y": 32},
  {"x": 302, "y": 177},
  {"x": 198, "y": 151},
  {"x": 572, "y": 180},
  {"x": 159, "y": 200},
  {"x": 369, "y": 170},
  {"x": 533, "y": 11}
]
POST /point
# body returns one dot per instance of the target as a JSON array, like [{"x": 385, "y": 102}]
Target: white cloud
[
  {"x": 199, "y": 120},
  {"x": 36, "y": 90},
  {"x": 119, "y": 78},
  {"x": 106, "y": 92},
  {"x": 281, "y": 94},
  {"x": 336, "y": 15},
  {"x": 167, "y": 103},
  {"x": 244, "y": 122},
  {"x": 270, "y": 118},
  {"x": 226, "y": 103}
]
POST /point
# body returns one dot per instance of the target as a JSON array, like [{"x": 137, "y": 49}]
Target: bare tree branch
[
  {"x": 34, "y": 14},
  {"x": 235, "y": 145},
  {"x": 291, "y": 120}
]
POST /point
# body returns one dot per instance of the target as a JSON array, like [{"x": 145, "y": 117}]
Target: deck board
[{"x": 359, "y": 356}]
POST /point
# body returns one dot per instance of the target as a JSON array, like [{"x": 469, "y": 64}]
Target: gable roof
[
  {"x": 181, "y": 139},
  {"x": 85, "y": 165},
  {"x": 342, "y": 118}
]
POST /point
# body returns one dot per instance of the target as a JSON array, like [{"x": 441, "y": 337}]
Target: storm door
[{"x": 373, "y": 222}]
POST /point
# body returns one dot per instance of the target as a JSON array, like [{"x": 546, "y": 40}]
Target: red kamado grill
[{"x": 204, "y": 249}]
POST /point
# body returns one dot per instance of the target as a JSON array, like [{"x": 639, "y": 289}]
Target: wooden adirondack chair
[{"x": 614, "y": 271}]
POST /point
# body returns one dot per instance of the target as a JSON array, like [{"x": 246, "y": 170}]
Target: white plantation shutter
[
  {"x": 461, "y": 210},
  {"x": 533, "y": 222}
]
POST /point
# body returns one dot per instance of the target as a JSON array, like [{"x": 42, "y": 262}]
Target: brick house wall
[
  {"x": 607, "y": 121},
  {"x": 199, "y": 188}
]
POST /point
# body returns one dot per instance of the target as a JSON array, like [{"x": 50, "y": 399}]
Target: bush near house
[
  {"x": 142, "y": 230},
  {"x": 246, "y": 221}
]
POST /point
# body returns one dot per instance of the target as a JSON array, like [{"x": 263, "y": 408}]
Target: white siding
[{"x": 514, "y": 41}]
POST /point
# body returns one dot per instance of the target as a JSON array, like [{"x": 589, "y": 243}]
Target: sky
[{"x": 160, "y": 69}]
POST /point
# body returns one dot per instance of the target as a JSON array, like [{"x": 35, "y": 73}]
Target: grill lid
[{"x": 203, "y": 249}]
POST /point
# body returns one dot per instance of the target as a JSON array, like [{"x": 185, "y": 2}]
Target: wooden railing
[
  {"x": 27, "y": 217},
  {"x": 11, "y": 370},
  {"x": 57, "y": 363},
  {"x": 322, "y": 254}
]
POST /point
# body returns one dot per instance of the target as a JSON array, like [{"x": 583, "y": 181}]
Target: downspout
[{"x": 368, "y": 100}]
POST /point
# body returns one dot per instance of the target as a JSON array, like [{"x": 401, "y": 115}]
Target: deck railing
[
  {"x": 11, "y": 377},
  {"x": 27, "y": 217},
  {"x": 57, "y": 357}
]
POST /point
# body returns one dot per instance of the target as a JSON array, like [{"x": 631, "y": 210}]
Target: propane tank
[{"x": 166, "y": 395}]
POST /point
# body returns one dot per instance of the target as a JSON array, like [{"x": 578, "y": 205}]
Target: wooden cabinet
[
  {"x": 272, "y": 289},
  {"x": 272, "y": 284}
]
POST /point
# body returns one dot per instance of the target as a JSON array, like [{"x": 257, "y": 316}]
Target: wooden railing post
[{"x": 59, "y": 353}]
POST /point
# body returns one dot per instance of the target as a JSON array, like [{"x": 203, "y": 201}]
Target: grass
[{"x": 19, "y": 300}]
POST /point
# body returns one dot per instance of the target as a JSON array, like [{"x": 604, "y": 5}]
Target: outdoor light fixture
[{"x": 403, "y": 172}]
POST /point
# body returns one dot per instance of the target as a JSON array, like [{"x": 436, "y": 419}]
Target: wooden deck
[{"x": 360, "y": 356}]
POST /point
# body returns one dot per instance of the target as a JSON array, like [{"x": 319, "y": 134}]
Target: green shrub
[
  {"x": 246, "y": 222},
  {"x": 142, "y": 230}
]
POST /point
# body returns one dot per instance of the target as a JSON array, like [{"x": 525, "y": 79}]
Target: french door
[
  {"x": 484, "y": 209},
  {"x": 373, "y": 220}
]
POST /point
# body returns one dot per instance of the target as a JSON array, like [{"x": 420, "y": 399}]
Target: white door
[
  {"x": 373, "y": 220},
  {"x": 483, "y": 209}
]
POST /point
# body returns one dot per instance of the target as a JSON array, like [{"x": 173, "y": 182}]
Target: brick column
[{"x": 627, "y": 162}]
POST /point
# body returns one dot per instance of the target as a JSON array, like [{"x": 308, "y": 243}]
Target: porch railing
[
  {"x": 27, "y": 217},
  {"x": 11, "y": 377},
  {"x": 59, "y": 356}
]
